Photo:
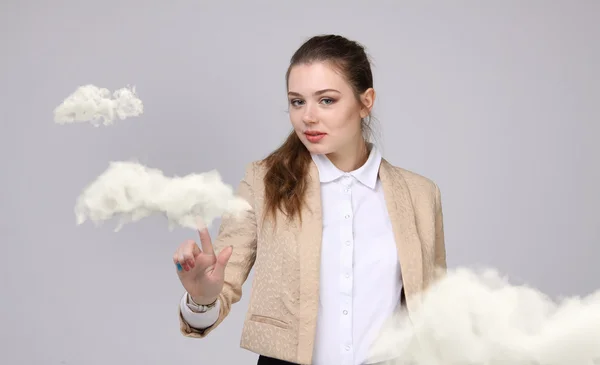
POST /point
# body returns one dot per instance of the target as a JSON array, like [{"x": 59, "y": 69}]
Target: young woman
[{"x": 338, "y": 237}]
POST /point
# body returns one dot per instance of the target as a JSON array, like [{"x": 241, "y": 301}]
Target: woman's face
[{"x": 324, "y": 110}]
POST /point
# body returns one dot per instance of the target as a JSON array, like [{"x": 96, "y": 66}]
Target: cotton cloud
[
  {"x": 98, "y": 106},
  {"x": 131, "y": 191},
  {"x": 479, "y": 318}
]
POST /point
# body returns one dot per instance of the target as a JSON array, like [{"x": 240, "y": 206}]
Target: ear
[{"x": 368, "y": 100}]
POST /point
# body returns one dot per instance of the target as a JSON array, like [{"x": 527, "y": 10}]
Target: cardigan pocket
[{"x": 269, "y": 320}]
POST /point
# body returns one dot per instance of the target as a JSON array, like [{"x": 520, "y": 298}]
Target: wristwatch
[{"x": 198, "y": 308}]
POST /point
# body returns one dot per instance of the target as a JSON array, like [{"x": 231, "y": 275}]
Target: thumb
[{"x": 222, "y": 260}]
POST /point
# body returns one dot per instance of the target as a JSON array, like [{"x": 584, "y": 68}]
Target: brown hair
[{"x": 287, "y": 166}]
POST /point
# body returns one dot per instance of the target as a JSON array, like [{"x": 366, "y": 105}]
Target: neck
[{"x": 350, "y": 158}]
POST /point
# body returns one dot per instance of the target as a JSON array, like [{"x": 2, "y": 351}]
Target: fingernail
[{"x": 179, "y": 267}]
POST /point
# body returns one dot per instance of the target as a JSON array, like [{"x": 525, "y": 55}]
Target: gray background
[{"x": 498, "y": 102}]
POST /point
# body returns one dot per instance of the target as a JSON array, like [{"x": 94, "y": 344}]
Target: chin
[{"x": 317, "y": 149}]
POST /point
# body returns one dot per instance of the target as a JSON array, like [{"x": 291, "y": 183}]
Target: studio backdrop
[{"x": 498, "y": 103}]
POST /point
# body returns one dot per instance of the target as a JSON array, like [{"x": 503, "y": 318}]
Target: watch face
[{"x": 197, "y": 309}]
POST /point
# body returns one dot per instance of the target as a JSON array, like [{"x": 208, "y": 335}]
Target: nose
[
  {"x": 309, "y": 119},
  {"x": 308, "y": 116}
]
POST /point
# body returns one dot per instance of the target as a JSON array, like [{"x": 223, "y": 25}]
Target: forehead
[{"x": 308, "y": 78}]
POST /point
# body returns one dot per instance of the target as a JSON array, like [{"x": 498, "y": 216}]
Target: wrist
[
  {"x": 203, "y": 300},
  {"x": 202, "y": 306}
]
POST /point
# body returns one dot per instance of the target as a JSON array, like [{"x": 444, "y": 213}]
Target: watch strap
[{"x": 198, "y": 308}]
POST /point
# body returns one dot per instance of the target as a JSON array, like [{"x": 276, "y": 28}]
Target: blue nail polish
[{"x": 179, "y": 267}]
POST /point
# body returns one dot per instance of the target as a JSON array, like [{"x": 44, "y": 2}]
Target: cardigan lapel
[
  {"x": 402, "y": 216},
  {"x": 309, "y": 240},
  {"x": 309, "y": 236}
]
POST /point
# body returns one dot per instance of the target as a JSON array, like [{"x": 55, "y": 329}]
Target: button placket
[{"x": 346, "y": 257}]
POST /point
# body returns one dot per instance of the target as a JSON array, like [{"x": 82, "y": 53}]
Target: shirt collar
[{"x": 367, "y": 174}]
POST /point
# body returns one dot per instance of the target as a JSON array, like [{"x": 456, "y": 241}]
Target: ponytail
[{"x": 285, "y": 179}]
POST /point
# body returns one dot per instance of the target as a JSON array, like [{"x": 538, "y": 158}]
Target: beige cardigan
[{"x": 282, "y": 313}]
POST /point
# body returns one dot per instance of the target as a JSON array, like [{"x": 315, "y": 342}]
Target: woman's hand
[{"x": 201, "y": 272}]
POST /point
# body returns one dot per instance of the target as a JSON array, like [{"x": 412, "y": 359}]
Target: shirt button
[
  {"x": 347, "y": 276},
  {"x": 347, "y": 243},
  {"x": 347, "y": 190},
  {"x": 347, "y": 347},
  {"x": 345, "y": 312},
  {"x": 347, "y": 216}
]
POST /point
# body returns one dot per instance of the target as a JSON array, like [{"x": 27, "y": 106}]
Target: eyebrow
[{"x": 293, "y": 93}]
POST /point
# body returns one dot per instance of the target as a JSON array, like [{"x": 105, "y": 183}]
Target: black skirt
[{"x": 263, "y": 360}]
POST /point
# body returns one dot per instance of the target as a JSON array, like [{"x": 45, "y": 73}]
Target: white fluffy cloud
[
  {"x": 98, "y": 106},
  {"x": 479, "y": 318},
  {"x": 131, "y": 191}
]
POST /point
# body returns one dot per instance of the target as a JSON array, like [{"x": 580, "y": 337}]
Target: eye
[
  {"x": 327, "y": 101},
  {"x": 296, "y": 102}
]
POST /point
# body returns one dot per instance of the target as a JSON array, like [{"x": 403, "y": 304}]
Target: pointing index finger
[{"x": 205, "y": 241}]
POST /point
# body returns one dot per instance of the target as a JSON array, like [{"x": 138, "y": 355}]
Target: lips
[{"x": 314, "y": 136}]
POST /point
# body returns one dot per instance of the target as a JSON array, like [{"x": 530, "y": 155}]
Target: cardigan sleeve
[{"x": 241, "y": 234}]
